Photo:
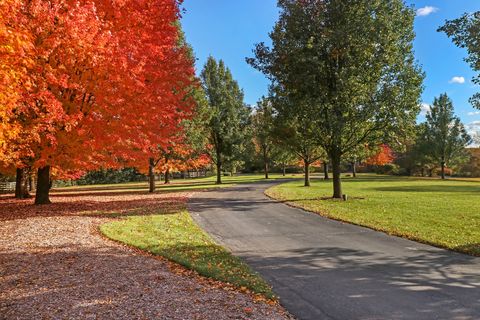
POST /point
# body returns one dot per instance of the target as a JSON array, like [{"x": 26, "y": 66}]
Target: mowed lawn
[
  {"x": 176, "y": 185},
  {"x": 442, "y": 213}
]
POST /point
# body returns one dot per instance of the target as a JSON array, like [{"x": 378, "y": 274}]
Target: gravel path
[{"x": 55, "y": 266}]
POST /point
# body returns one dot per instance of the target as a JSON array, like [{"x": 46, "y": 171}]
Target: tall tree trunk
[
  {"x": 354, "y": 169},
  {"x": 443, "y": 170},
  {"x": 284, "y": 169},
  {"x": 307, "y": 173},
  {"x": 265, "y": 164},
  {"x": 326, "y": 176},
  {"x": 423, "y": 172},
  {"x": 151, "y": 175},
  {"x": 219, "y": 172},
  {"x": 42, "y": 196},
  {"x": 21, "y": 184},
  {"x": 337, "y": 181},
  {"x": 167, "y": 175}
]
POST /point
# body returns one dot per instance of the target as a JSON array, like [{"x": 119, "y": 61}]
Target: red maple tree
[
  {"x": 384, "y": 156},
  {"x": 90, "y": 83}
]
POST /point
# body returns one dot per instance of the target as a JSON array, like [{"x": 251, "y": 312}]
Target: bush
[{"x": 391, "y": 169}]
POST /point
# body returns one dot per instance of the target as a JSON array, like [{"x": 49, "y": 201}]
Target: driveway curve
[{"x": 325, "y": 269}]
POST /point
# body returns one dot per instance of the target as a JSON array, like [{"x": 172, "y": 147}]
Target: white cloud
[
  {"x": 425, "y": 108},
  {"x": 459, "y": 80},
  {"x": 476, "y": 139},
  {"x": 474, "y": 113},
  {"x": 474, "y": 124},
  {"x": 473, "y": 127},
  {"x": 425, "y": 11}
]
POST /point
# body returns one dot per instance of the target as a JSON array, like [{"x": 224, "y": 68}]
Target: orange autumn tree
[
  {"x": 14, "y": 44},
  {"x": 179, "y": 154},
  {"x": 383, "y": 157},
  {"x": 99, "y": 77},
  {"x": 181, "y": 158},
  {"x": 47, "y": 64}
]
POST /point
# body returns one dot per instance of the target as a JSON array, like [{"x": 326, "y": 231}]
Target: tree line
[
  {"x": 345, "y": 83},
  {"x": 98, "y": 84}
]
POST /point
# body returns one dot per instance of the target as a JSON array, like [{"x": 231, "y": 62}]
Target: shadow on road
[{"x": 436, "y": 278}]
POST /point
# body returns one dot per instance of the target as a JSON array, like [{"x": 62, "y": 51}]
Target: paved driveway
[{"x": 324, "y": 269}]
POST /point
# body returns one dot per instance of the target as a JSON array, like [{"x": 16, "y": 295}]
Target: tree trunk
[
  {"x": 325, "y": 171},
  {"x": 151, "y": 175},
  {"x": 443, "y": 170},
  {"x": 354, "y": 169},
  {"x": 21, "y": 184},
  {"x": 423, "y": 172},
  {"x": 42, "y": 196},
  {"x": 265, "y": 164},
  {"x": 337, "y": 180},
  {"x": 284, "y": 169},
  {"x": 307, "y": 173},
  {"x": 167, "y": 175},
  {"x": 219, "y": 172}
]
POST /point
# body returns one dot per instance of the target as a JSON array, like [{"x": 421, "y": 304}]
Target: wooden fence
[{"x": 7, "y": 187}]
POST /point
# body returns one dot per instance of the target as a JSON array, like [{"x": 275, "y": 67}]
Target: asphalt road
[{"x": 324, "y": 269}]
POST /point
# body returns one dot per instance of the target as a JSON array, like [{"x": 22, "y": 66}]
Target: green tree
[
  {"x": 415, "y": 158},
  {"x": 294, "y": 131},
  {"x": 446, "y": 135},
  {"x": 357, "y": 155},
  {"x": 283, "y": 157},
  {"x": 228, "y": 115},
  {"x": 465, "y": 32},
  {"x": 351, "y": 63},
  {"x": 263, "y": 131}
]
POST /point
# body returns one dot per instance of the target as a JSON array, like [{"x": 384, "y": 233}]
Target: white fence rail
[{"x": 7, "y": 187}]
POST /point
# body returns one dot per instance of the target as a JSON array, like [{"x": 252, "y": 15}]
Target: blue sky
[{"x": 228, "y": 30}]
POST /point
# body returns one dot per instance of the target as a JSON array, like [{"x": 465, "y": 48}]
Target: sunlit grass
[
  {"x": 442, "y": 213},
  {"x": 177, "y": 185},
  {"x": 178, "y": 238}
]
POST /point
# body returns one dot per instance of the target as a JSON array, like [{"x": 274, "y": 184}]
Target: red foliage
[
  {"x": 384, "y": 156},
  {"x": 89, "y": 83}
]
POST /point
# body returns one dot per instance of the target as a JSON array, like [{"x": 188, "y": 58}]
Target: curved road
[{"x": 324, "y": 269}]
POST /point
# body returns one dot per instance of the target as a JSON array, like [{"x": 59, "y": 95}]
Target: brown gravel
[{"x": 55, "y": 265}]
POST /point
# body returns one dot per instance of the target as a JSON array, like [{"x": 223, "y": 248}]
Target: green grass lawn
[
  {"x": 178, "y": 238},
  {"x": 176, "y": 185},
  {"x": 441, "y": 213}
]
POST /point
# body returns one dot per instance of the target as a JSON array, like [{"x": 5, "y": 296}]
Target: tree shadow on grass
[
  {"x": 465, "y": 189},
  {"x": 133, "y": 188},
  {"x": 213, "y": 261},
  {"x": 471, "y": 248}
]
